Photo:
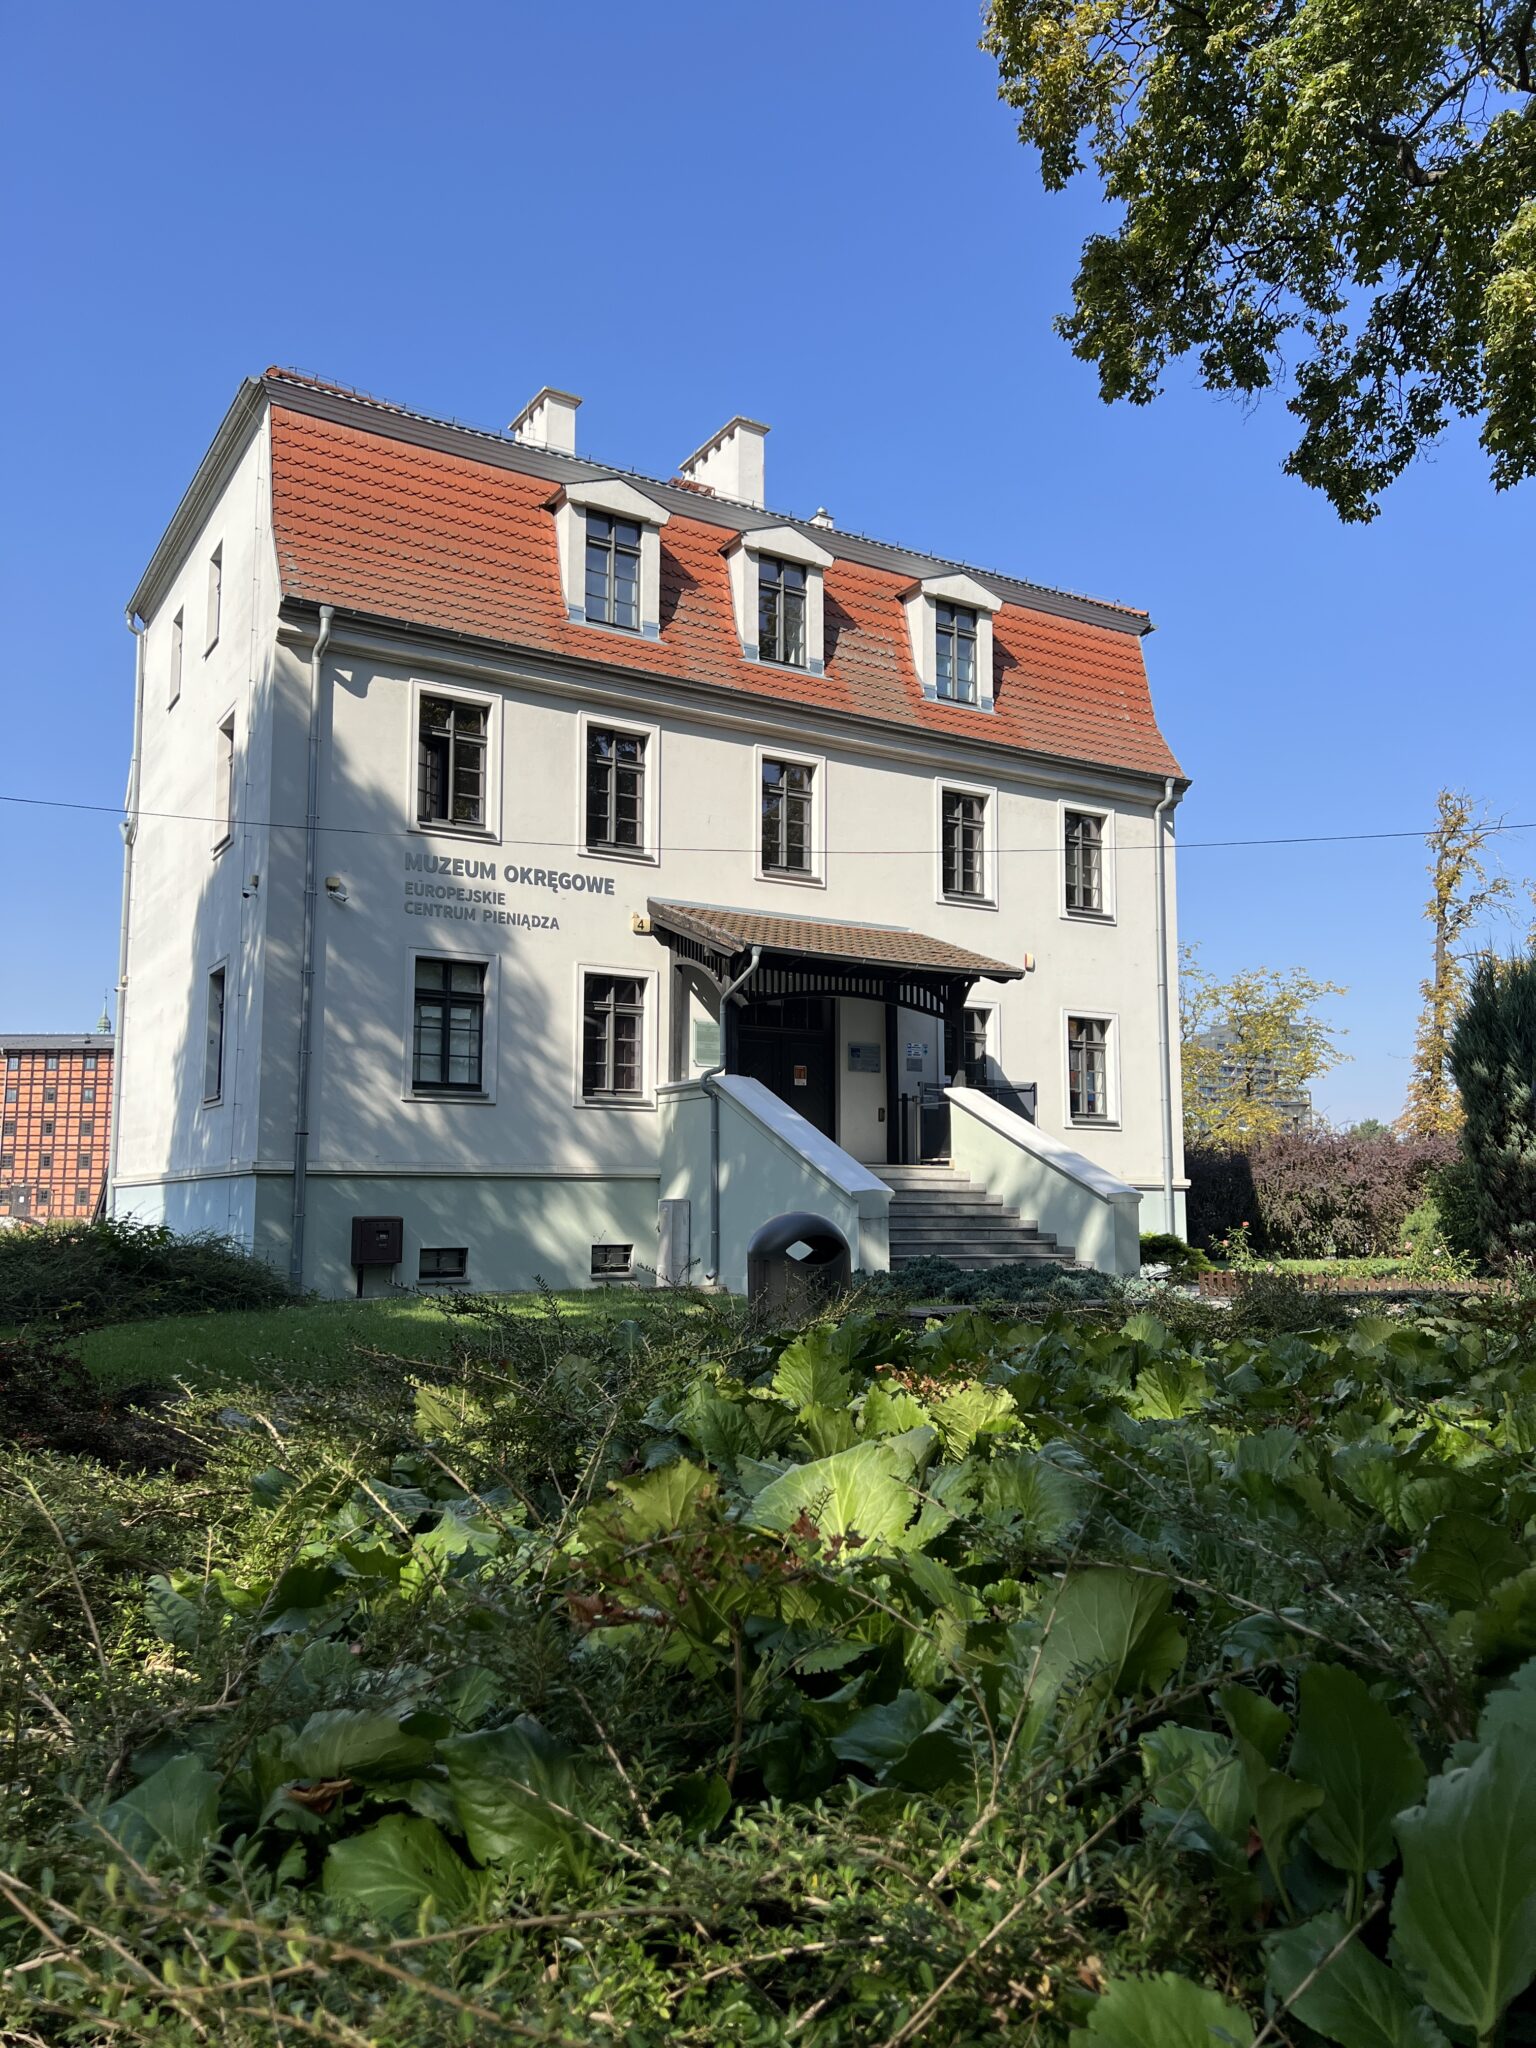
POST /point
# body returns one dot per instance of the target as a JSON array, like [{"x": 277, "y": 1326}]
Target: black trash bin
[{"x": 796, "y": 1261}]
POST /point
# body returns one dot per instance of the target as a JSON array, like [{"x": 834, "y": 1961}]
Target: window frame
[
  {"x": 490, "y": 990},
  {"x": 964, "y": 593},
  {"x": 650, "y": 1034},
  {"x": 612, "y": 550},
  {"x": 767, "y": 560},
  {"x": 225, "y": 782},
  {"x": 956, "y": 634},
  {"x": 218, "y": 972},
  {"x": 814, "y": 876},
  {"x": 1110, "y": 1020},
  {"x": 459, "y": 1278},
  {"x": 177, "y": 657},
  {"x": 214, "y": 622},
  {"x": 1071, "y": 807},
  {"x": 611, "y": 498},
  {"x": 648, "y": 853},
  {"x": 743, "y": 556},
  {"x": 945, "y": 786},
  {"x": 491, "y": 703},
  {"x": 992, "y": 1034}
]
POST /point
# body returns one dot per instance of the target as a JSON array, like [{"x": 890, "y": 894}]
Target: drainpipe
[
  {"x": 130, "y": 832},
  {"x": 709, "y": 1077},
  {"x": 1164, "y": 1028},
  {"x": 307, "y": 953}
]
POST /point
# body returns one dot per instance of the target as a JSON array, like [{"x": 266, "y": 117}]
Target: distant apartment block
[{"x": 56, "y": 1124}]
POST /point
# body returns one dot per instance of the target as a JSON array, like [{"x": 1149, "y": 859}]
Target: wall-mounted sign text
[{"x": 451, "y": 900}]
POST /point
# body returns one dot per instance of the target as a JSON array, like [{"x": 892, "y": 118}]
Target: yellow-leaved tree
[{"x": 1251, "y": 1048}]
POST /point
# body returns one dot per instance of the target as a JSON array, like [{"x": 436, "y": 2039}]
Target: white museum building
[{"x": 537, "y": 872}]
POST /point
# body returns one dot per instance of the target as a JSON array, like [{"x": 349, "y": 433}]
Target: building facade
[
  {"x": 55, "y": 1125},
  {"x": 488, "y": 802}
]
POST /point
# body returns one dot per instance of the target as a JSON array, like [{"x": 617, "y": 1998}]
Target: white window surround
[
  {"x": 618, "y": 500},
  {"x": 215, "y": 609},
  {"x": 441, "y": 829},
  {"x": 650, "y": 853},
  {"x": 816, "y": 876},
  {"x": 988, "y": 900},
  {"x": 779, "y": 544},
  {"x": 467, "y": 957},
  {"x": 226, "y": 730},
  {"x": 1110, "y": 1019},
  {"x": 177, "y": 658},
  {"x": 1106, "y": 818},
  {"x": 218, "y": 967},
  {"x": 650, "y": 1034},
  {"x": 921, "y": 604}
]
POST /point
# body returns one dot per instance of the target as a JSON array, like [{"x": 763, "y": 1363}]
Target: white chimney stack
[
  {"x": 730, "y": 463},
  {"x": 548, "y": 421}
]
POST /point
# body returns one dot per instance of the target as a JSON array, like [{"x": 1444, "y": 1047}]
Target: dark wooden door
[{"x": 791, "y": 1048}]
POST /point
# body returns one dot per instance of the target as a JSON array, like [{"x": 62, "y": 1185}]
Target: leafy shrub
[
  {"x": 1493, "y": 1059},
  {"x": 1309, "y": 1195},
  {"x": 1270, "y": 1303},
  {"x": 1164, "y": 1248},
  {"x": 72, "y": 1275},
  {"x": 1450, "y": 1201},
  {"x": 939, "y": 1280}
]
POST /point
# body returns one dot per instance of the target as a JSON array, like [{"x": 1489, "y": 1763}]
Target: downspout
[
  {"x": 1164, "y": 1027},
  {"x": 130, "y": 832},
  {"x": 307, "y": 953},
  {"x": 708, "y": 1078}
]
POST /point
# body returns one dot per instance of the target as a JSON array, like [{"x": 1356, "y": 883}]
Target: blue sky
[{"x": 817, "y": 215}]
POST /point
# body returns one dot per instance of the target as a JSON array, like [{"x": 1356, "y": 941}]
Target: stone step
[
  {"x": 909, "y": 1176},
  {"x": 992, "y": 1231},
  {"x": 1063, "y": 1255},
  {"x": 950, "y": 1205}
]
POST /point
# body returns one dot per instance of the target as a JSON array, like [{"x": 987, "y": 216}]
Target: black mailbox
[
  {"x": 378, "y": 1240},
  {"x": 796, "y": 1261}
]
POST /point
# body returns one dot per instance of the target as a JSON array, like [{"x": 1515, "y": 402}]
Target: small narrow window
[
  {"x": 786, "y": 804},
  {"x": 7, "y": 1162},
  {"x": 612, "y": 1034},
  {"x": 178, "y": 628},
  {"x": 215, "y": 595},
  {"x": 964, "y": 844},
  {"x": 45, "y": 1129},
  {"x": 51, "y": 1064},
  {"x": 1085, "y": 863},
  {"x": 955, "y": 653},
  {"x": 213, "y": 1043},
  {"x": 615, "y": 790},
  {"x": 449, "y": 1026},
  {"x": 50, "y": 1095},
  {"x": 8, "y": 1128},
  {"x": 83, "y": 1162},
  {"x": 88, "y": 1127},
  {"x": 450, "y": 762},
  {"x": 88, "y": 1094},
  {"x": 1087, "y": 1069},
  {"x": 44, "y": 1161},
  {"x": 612, "y": 1261},
  {"x": 443, "y": 1262},
  {"x": 83, "y": 1198},
  {"x": 89, "y": 1063},
  {"x": 224, "y": 784},
  {"x": 613, "y": 572},
  {"x": 781, "y": 612}
]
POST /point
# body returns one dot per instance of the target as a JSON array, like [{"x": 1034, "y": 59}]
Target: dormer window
[
  {"x": 609, "y": 536},
  {"x": 949, "y": 622},
  {"x": 780, "y": 612},
  {"x": 776, "y": 589}
]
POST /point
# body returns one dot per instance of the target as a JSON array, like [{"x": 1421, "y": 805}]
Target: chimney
[
  {"x": 730, "y": 463},
  {"x": 548, "y": 421}
]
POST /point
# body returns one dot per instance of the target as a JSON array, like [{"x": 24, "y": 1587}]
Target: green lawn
[{"x": 316, "y": 1338}]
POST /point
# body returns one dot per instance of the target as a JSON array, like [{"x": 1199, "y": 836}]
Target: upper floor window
[
  {"x": 964, "y": 824},
  {"x": 450, "y": 762},
  {"x": 51, "y": 1063},
  {"x": 615, "y": 789},
  {"x": 178, "y": 634},
  {"x": 215, "y": 596},
  {"x": 781, "y": 612},
  {"x": 955, "y": 652},
  {"x": 449, "y": 1025},
  {"x": 213, "y": 1041},
  {"x": 89, "y": 1063},
  {"x": 612, "y": 1035},
  {"x": 613, "y": 572},
  {"x": 1088, "y": 1068},
  {"x": 786, "y": 802},
  {"x": 1085, "y": 862},
  {"x": 224, "y": 783}
]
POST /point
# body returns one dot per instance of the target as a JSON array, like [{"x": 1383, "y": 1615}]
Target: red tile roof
[{"x": 374, "y": 523}]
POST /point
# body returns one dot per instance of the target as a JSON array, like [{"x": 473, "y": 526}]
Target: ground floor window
[
  {"x": 449, "y": 1025},
  {"x": 213, "y": 1043},
  {"x": 1088, "y": 1068},
  {"x": 612, "y": 1036},
  {"x": 966, "y": 1045},
  {"x": 443, "y": 1262}
]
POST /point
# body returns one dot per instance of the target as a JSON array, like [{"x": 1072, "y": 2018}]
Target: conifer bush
[{"x": 1493, "y": 1060}]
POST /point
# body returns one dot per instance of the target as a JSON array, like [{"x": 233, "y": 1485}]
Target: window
[
  {"x": 450, "y": 762},
  {"x": 612, "y": 1261},
  {"x": 786, "y": 803},
  {"x": 83, "y": 1198},
  {"x": 215, "y": 595},
  {"x": 44, "y": 1161},
  {"x": 612, "y": 1033},
  {"x": 89, "y": 1063},
  {"x": 88, "y": 1128},
  {"x": 46, "y": 1128},
  {"x": 449, "y": 1028},
  {"x": 8, "y": 1128},
  {"x": 781, "y": 612},
  {"x": 964, "y": 843},
  {"x": 613, "y": 572},
  {"x": 443, "y": 1262},
  {"x": 1087, "y": 1069},
  {"x": 177, "y": 636},
  {"x": 973, "y": 1042},
  {"x": 1085, "y": 863},
  {"x": 224, "y": 784},
  {"x": 7, "y": 1162},
  {"x": 13, "y": 1062},
  {"x": 51, "y": 1064},
  {"x": 83, "y": 1162},
  {"x": 213, "y": 1043},
  {"x": 10, "y": 1094},
  {"x": 615, "y": 789},
  {"x": 87, "y": 1094},
  {"x": 50, "y": 1095},
  {"x": 955, "y": 653}
]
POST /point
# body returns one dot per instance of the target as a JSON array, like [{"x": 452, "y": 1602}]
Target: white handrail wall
[{"x": 1046, "y": 1181}]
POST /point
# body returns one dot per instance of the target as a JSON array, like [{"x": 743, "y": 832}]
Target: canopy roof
[{"x": 879, "y": 946}]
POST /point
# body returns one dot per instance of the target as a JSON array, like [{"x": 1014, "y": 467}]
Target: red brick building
[{"x": 55, "y": 1124}]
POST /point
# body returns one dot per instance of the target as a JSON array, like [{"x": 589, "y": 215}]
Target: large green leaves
[
  {"x": 354, "y": 1743},
  {"x": 1350, "y": 1746},
  {"x": 1463, "y": 1558},
  {"x": 172, "y": 1814},
  {"x": 1112, "y": 1627},
  {"x": 860, "y": 1493},
  {"x": 404, "y": 1872},
  {"x": 1353, "y": 1997},
  {"x": 516, "y": 1793},
  {"x": 1163, "y": 2012}
]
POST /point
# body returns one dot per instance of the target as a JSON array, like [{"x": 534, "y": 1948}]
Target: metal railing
[{"x": 923, "y": 1116}]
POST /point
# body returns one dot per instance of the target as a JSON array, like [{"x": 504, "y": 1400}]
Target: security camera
[{"x": 335, "y": 888}]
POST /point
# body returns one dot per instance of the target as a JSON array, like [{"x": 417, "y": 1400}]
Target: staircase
[{"x": 938, "y": 1213}]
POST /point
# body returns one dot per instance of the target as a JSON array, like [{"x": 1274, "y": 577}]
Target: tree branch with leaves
[{"x": 1250, "y": 1045}]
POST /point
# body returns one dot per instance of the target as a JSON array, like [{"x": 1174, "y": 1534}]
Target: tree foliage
[
  {"x": 1248, "y": 1045},
  {"x": 1313, "y": 1194},
  {"x": 1344, "y": 190},
  {"x": 1461, "y": 892},
  {"x": 1493, "y": 1058}
]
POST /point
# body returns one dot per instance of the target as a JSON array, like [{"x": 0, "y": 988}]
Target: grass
[{"x": 318, "y": 1339}]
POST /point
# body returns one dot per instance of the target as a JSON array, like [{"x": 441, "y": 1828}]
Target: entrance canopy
[{"x": 804, "y": 956}]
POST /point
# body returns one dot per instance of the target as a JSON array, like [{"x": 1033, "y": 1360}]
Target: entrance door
[{"x": 788, "y": 1043}]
